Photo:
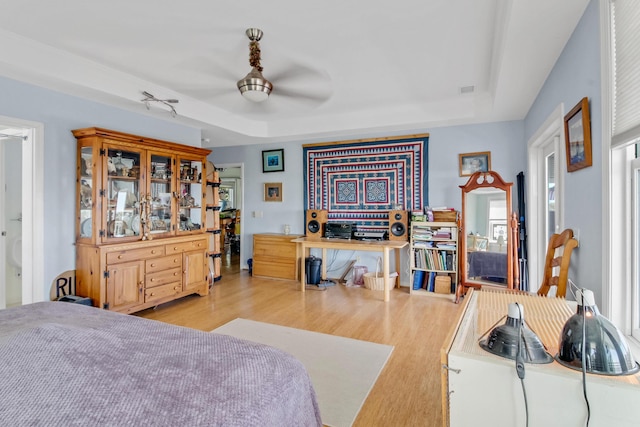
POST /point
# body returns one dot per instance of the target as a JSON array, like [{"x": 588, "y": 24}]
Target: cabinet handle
[
  {"x": 151, "y": 294},
  {"x": 153, "y": 265},
  {"x": 175, "y": 248},
  {"x": 457, "y": 371},
  {"x": 175, "y": 274},
  {"x": 153, "y": 251},
  {"x": 175, "y": 260},
  {"x": 119, "y": 256},
  {"x": 176, "y": 288},
  {"x": 152, "y": 279}
]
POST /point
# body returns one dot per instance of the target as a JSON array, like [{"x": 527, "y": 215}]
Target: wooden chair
[
  {"x": 477, "y": 243},
  {"x": 565, "y": 242}
]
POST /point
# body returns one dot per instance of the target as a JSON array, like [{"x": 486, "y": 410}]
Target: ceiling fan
[{"x": 256, "y": 88}]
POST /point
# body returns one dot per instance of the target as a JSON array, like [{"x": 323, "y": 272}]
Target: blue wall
[
  {"x": 60, "y": 114},
  {"x": 503, "y": 139},
  {"x": 575, "y": 75}
]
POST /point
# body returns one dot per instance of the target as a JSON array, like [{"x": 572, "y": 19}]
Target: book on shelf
[
  {"x": 418, "y": 216},
  {"x": 422, "y": 244},
  {"x": 442, "y": 234},
  {"x": 450, "y": 261},
  {"x": 426, "y": 236},
  {"x": 431, "y": 283},
  {"x": 418, "y": 279}
]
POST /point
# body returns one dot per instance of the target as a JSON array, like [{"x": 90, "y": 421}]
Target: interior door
[
  {"x": 551, "y": 202},
  {"x": 11, "y": 141}
]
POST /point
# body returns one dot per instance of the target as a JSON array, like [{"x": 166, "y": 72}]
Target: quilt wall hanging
[{"x": 360, "y": 181}]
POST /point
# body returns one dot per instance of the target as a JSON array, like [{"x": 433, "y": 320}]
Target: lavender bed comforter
[{"x": 64, "y": 364}]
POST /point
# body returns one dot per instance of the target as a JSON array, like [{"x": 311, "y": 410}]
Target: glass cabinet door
[
  {"x": 86, "y": 192},
  {"x": 122, "y": 193},
  {"x": 190, "y": 195},
  {"x": 162, "y": 194}
]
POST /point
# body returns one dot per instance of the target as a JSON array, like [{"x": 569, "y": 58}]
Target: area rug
[{"x": 343, "y": 370}]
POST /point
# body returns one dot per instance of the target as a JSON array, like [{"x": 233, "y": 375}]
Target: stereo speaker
[
  {"x": 315, "y": 222},
  {"x": 398, "y": 225}
]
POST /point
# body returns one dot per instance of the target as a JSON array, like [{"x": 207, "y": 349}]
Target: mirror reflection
[
  {"x": 489, "y": 246},
  {"x": 486, "y": 233}
]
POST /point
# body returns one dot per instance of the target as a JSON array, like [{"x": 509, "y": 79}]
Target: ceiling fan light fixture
[{"x": 254, "y": 86}]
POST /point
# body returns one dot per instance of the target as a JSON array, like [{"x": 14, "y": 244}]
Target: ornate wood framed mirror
[{"x": 488, "y": 238}]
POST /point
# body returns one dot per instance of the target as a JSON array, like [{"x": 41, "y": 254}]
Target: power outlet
[{"x": 357, "y": 260}]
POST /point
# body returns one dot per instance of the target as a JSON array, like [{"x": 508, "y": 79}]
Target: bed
[
  {"x": 487, "y": 265},
  {"x": 70, "y": 364}
]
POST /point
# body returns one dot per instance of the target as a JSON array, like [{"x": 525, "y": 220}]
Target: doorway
[
  {"x": 231, "y": 215},
  {"x": 21, "y": 212},
  {"x": 546, "y": 186}
]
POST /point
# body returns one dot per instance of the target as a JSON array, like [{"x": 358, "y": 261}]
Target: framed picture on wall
[
  {"x": 470, "y": 163},
  {"x": 273, "y": 192},
  {"x": 577, "y": 136},
  {"x": 273, "y": 160}
]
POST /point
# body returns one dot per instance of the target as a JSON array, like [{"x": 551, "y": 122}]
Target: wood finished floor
[{"x": 407, "y": 392}]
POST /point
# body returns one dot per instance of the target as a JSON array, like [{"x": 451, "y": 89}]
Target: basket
[
  {"x": 442, "y": 285},
  {"x": 445, "y": 216},
  {"x": 375, "y": 281}
]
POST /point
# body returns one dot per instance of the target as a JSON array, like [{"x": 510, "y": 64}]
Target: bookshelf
[{"x": 434, "y": 259}]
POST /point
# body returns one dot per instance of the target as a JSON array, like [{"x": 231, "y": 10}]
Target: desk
[{"x": 383, "y": 246}]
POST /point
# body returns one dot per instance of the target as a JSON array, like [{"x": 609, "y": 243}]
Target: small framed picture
[
  {"x": 470, "y": 163},
  {"x": 273, "y": 192},
  {"x": 273, "y": 160},
  {"x": 577, "y": 135}
]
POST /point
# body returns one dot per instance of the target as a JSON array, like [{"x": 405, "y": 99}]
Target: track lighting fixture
[{"x": 167, "y": 102}]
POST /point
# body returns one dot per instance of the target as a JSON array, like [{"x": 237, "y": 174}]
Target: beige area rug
[{"x": 343, "y": 370}]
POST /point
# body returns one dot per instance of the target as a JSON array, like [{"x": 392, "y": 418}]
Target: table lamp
[
  {"x": 515, "y": 340},
  {"x": 589, "y": 333}
]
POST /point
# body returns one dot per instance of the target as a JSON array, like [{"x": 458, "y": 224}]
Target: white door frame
[
  {"x": 32, "y": 209},
  {"x": 550, "y": 132},
  {"x": 3, "y": 228}
]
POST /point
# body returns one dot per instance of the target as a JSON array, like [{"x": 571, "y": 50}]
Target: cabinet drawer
[
  {"x": 163, "y": 291},
  {"x": 186, "y": 246},
  {"x": 273, "y": 248},
  {"x": 278, "y": 250},
  {"x": 163, "y": 277},
  {"x": 134, "y": 254},
  {"x": 164, "y": 263},
  {"x": 282, "y": 270}
]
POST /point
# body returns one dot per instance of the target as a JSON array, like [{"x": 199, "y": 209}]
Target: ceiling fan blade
[
  {"x": 296, "y": 72},
  {"x": 319, "y": 96},
  {"x": 206, "y": 66}
]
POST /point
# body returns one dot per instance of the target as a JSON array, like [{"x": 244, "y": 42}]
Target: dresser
[
  {"x": 480, "y": 388},
  {"x": 276, "y": 256}
]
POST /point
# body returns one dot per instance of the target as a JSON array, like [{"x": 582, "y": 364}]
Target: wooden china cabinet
[{"x": 140, "y": 220}]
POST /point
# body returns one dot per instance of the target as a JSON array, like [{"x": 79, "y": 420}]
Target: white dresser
[{"x": 480, "y": 388}]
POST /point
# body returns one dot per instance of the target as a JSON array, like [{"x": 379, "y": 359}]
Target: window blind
[{"x": 625, "y": 22}]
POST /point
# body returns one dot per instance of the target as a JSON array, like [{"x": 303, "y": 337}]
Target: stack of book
[{"x": 427, "y": 281}]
